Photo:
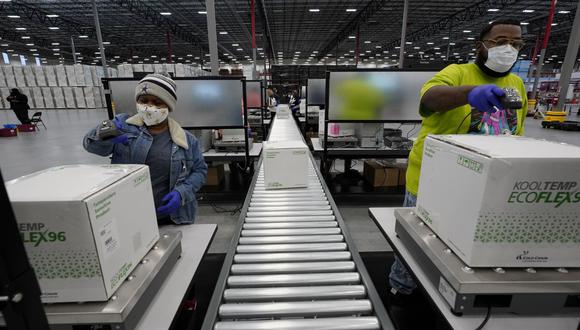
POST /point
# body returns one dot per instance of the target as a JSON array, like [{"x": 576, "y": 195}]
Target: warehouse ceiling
[{"x": 291, "y": 31}]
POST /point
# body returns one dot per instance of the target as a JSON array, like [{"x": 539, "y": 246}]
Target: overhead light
[
  {"x": 525, "y": 23},
  {"x": 493, "y": 10},
  {"x": 56, "y": 54},
  {"x": 188, "y": 55},
  {"x": 55, "y": 43},
  {"x": 83, "y": 37},
  {"x": 554, "y": 24},
  {"x": 33, "y": 50},
  {"x": 13, "y": 16},
  {"x": 29, "y": 45},
  {"x": 135, "y": 56},
  {"x": 378, "y": 47},
  {"x": 239, "y": 49},
  {"x": 106, "y": 42},
  {"x": 20, "y": 29},
  {"x": 528, "y": 10},
  {"x": 470, "y": 38},
  {"x": 4, "y": 45},
  {"x": 452, "y": 44},
  {"x": 564, "y": 12},
  {"x": 223, "y": 32},
  {"x": 117, "y": 56},
  {"x": 351, "y": 37},
  {"x": 165, "y": 13},
  {"x": 436, "y": 48},
  {"x": 53, "y": 28},
  {"x": 56, "y": 49},
  {"x": 25, "y": 37},
  {"x": 314, "y": 10},
  {"x": 445, "y": 38},
  {"x": 466, "y": 31},
  {"x": 202, "y": 12},
  {"x": 430, "y": 43},
  {"x": 351, "y": 10}
]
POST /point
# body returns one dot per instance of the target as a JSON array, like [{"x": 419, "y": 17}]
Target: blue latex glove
[
  {"x": 124, "y": 139},
  {"x": 485, "y": 97},
  {"x": 120, "y": 125},
  {"x": 172, "y": 202}
]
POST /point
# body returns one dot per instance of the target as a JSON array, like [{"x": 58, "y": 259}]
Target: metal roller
[
  {"x": 293, "y": 267},
  {"x": 327, "y": 323},
  {"x": 295, "y": 293},
  {"x": 288, "y": 193},
  {"x": 290, "y": 239},
  {"x": 296, "y": 308},
  {"x": 289, "y": 213},
  {"x": 310, "y": 198},
  {"x": 312, "y": 247},
  {"x": 295, "y": 256},
  {"x": 290, "y": 219},
  {"x": 290, "y": 232},
  {"x": 290, "y": 225},
  {"x": 296, "y": 207},
  {"x": 247, "y": 281},
  {"x": 289, "y": 203}
]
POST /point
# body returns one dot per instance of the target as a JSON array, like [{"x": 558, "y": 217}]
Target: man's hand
[
  {"x": 486, "y": 98},
  {"x": 172, "y": 202}
]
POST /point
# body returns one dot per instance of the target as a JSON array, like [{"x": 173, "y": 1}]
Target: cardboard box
[
  {"x": 285, "y": 164},
  {"x": 379, "y": 175},
  {"x": 40, "y": 76},
  {"x": 9, "y": 76},
  {"x": 86, "y": 236},
  {"x": 48, "y": 99},
  {"x": 2, "y": 79},
  {"x": 71, "y": 75},
  {"x": 215, "y": 175},
  {"x": 50, "y": 76},
  {"x": 79, "y": 97},
  {"x": 89, "y": 97},
  {"x": 19, "y": 76},
  {"x": 501, "y": 201},
  {"x": 29, "y": 76},
  {"x": 59, "y": 102},
  {"x": 61, "y": 75}
]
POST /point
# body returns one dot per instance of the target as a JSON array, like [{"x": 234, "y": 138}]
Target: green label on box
[{"x": 470, "y": 164}]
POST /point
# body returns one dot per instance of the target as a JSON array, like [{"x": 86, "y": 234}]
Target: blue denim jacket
[{"x": 188, "y": 168}]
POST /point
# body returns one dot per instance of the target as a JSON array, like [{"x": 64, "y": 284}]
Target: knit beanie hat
[{"x": 159, "y": 85}]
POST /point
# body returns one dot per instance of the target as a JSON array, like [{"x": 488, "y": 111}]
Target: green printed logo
[
  {"x": 470, "y": 164},
  {"x": 35, "y": 234},
  {"x": 546, "y": 192},
  {"x": 121, "y": 273},
  {"x": 102, "y": 207},
  {"x": 140, "y": 179}
]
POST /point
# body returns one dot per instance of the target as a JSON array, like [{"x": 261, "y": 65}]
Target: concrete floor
[{"x": 61, "y": 144}]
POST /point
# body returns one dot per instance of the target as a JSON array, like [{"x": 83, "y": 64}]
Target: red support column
[
  {"x": 356, "y": 47},
  {"x": 169, "y": 50}
]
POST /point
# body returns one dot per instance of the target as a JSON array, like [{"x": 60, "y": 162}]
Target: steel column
[
  {"x": 543, "y": 51},
  {"x": 74, "y": 52},
  {"x": 403, "y": 33},
  {"x": 569, "y": 59},
  {"x": 100, "y": 39},
  {"x": 212, "y": 37}
]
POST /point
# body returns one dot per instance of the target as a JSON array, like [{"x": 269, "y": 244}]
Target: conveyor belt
[{"x": 292, "y": 265}]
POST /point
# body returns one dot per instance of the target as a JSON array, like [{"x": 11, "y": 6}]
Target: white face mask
[
  {"x": 501, "y": 58},
  {"x": 151, "y": 114}
]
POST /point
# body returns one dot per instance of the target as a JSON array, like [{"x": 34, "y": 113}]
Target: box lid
[
  {"x": 289, "y": 144},
  {"x": 67, "y": 183},
  {"x": 501, "y": 146}
]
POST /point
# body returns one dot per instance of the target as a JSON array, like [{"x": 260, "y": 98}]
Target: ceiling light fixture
[
  {"x": 524, "y": 23},
  {"x": 25, "y": 37},
  {"x": 52, "y": 16},
  {"x": 13, "y": 16},
  {"x": 20, "y": 29},
  {"x": 493, "y": 10},
  {"x": 223, "y": 32},
  {"x": 202, "y": 12},
  {"x": 528, "y": 11},
  {"x": 466, "y": 31},
  {"x": 314, "y": 10},
  {"x": 564, "y": 12},
  {"x": 165, "y": 13},
  {"x": 83, "y": 37},
  {"x": 351, "y": 10}
]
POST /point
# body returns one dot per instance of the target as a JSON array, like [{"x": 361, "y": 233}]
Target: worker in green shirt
[{"x": 453, "y": 102}]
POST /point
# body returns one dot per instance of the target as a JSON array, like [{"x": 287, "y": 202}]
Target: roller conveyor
[{"x": 292, "y": 265}]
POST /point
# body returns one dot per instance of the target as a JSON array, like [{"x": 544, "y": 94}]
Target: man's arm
[{"x": 443, "y": 98}]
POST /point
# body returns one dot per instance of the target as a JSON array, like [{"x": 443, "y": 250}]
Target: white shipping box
[
  {"x": 61, "y": 75},
  {"x": 283, "y": 111},
  {"x": 50, "y": 76},
  {"x": 19, "y": 76},
  {"x": 69, "y": 97},
  {"x": 71, "y": 75},
  {"x": 59, "y": 102},
  {"x": 88, "y": 75},
  {"x": 98, "y": 97},
  {"x": 29, "y": 76},
  {"x": 40, "y": 76},
  {"x": 2, "y": 79},
  {"x": 285, "y": 164},
  {"x": 79, "y": 97},
  {"x": 9, "y": 76},
  {"x": 48, "y": 99},
  {"x": 86, "y": 236},
  {"x": 38, "y": 97},
  {"x": 89, "y": 97},
  {"x": 500, "y": 201}
]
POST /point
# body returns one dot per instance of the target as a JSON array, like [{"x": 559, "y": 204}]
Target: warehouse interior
[{"x": 307, "y": 125}]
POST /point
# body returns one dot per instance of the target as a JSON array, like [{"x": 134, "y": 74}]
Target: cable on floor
[{"x": 487, "y": 316}]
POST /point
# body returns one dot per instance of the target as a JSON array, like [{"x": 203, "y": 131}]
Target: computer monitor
[
  {"x": 200, "y": 102},
  {"x": 316, "y": 91},
  {"x": 389, "y": 96}
]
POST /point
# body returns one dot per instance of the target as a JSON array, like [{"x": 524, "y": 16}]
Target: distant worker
[
  {"x": 273, "y": 98},
  {"x": 150, "y": 137},
  {"x": 19, "y": 104},
  {"x": 446, "y": 106}
]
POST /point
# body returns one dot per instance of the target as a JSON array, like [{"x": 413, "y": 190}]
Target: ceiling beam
[
  {"x": 369, "y": 10},
  {"x": 269, "y": 37}
]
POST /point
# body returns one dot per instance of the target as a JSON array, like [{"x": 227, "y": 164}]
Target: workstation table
[
  {"x": 213, "y": 155},
  {"x": 357, "y": 152},
  {"x": 385, "y": 220},
  {"x": 151, "y": 296}
]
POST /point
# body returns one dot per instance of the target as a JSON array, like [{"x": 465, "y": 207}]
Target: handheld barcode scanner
[
  {"x": 512, "y": 99},
  {"x": 107, "y": 130}
]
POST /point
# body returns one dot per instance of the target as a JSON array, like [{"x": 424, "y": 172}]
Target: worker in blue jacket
[{"x": 150, "y": 137}]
